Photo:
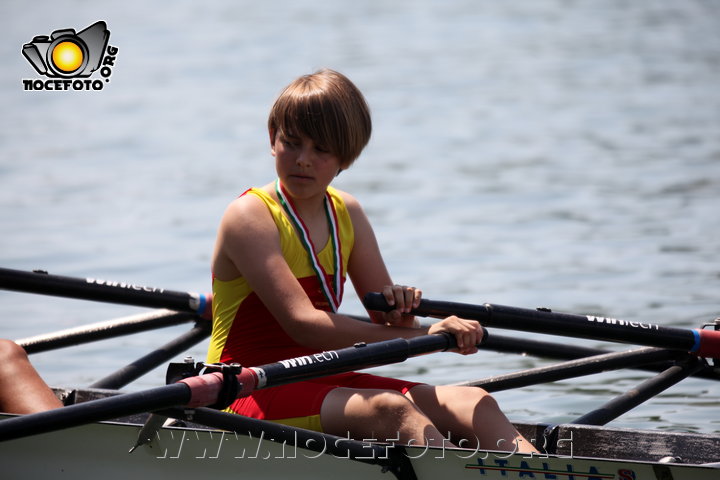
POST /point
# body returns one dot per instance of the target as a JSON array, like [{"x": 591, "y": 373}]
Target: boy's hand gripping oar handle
[{"x": 701, "y": 342}]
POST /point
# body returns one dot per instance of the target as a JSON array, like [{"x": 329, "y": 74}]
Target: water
[{"x": 555, "y": 153}]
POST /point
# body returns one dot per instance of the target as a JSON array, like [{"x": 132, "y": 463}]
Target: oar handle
[
  {"x": 207, "y": 389},
  {"x": 427, "y": 308},
  {"x": 101, "y": 290},
  {"x": 701, "y": 342}
]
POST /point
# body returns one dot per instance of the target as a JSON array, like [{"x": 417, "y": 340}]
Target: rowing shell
[{"x": 100, "y": 450}]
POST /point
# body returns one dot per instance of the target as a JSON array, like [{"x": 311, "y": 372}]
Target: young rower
[
  {"x": 22, "y": 390},
  {"x": 282, "y": 254}
]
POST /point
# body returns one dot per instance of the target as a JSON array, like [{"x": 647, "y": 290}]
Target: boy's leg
[
  {"x": 22, "y": 390},
  {"x": 470, "y": 413},
  {"x": 382, "y": 415}
]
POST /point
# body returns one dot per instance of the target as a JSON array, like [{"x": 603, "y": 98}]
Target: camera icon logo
[{"x": 67, "y": 54}]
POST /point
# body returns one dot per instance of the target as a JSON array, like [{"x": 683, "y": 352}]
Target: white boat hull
[{"x": 100, "y": 451}]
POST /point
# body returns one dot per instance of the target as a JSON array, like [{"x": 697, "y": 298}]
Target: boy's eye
[{"x": 322, "y": 149}]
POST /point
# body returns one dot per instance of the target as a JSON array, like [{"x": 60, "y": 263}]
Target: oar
[
  {"x": 104, "y": 330},
  {"x": 209, "y": 388},
  {"x": 577, "y": 368},
  {"x": 154, "y": 359},
  {"x": 701, "y": 342},
  {"x": 101, "y": 290}
]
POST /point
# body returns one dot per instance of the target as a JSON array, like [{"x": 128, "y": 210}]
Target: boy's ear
[{"x": 272, "y": 141}]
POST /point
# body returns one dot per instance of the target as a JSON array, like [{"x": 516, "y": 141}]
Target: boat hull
[{"x": 100, "y": 450}]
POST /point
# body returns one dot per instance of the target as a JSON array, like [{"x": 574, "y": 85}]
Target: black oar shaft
[
  {"x": 143, "y": 365},
  {"x": 588, "y": 327},
  {"x": 646, "y": 390},
  {"x": 576, "y": 368},
  {"x": 207, "y": 388},
  {"x": 701, "y": 342},
  {"x": 100, "y": 290},
  {"x": 104, "y": 330},
  {"x": 97, "y": 410},
  {"x": 525, "y": 346},
  {"x": 343, "y": 360}
]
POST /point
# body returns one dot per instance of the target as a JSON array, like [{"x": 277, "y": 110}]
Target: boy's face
[{"x": 304, "y": 168}]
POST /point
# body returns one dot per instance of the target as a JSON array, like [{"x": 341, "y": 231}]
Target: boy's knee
[
  {"x": 483, "y": 395},
  {"x": 470, "y": 397},
  {"x": 11, "y": 351},
  {"x": 392, "y": 406}
]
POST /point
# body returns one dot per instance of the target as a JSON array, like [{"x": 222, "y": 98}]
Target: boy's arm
[
  {"x": 369, "y": 274},
  {"x": 249, "y": 245}
]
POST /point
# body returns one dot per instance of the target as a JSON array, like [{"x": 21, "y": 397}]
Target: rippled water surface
[{"x": 555, "y": 153}]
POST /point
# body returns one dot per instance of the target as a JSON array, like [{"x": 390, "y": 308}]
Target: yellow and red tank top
[{"x": 244, "y": 330}]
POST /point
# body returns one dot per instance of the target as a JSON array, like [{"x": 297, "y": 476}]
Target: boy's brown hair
[{"x": 329, "y": 109}]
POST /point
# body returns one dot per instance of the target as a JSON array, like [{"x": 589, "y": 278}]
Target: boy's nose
[{"x": 304, "y": 158}]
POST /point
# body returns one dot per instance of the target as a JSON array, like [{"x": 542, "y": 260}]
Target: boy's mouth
[{"x": 301, "y": 177}]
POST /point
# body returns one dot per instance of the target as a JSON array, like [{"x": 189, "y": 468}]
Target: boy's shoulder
[
  {"x": 247, "y": 208},
  {"x": 349, "y": 200},
  {"x": 352, "y": 206}
]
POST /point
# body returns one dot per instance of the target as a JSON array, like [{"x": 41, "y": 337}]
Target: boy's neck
[
  {"x": 307, "y": 208},
  {"x": 310, "y": 208}
]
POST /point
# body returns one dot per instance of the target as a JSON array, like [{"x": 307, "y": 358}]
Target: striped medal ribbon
[{"x": 333, "y": 293}]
